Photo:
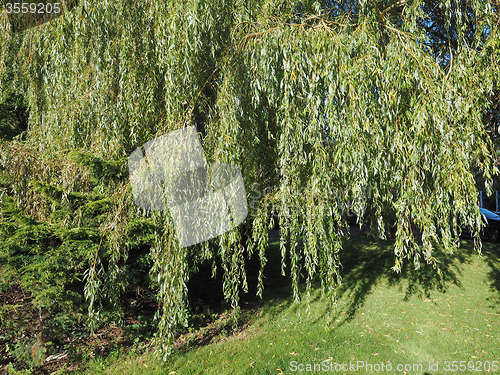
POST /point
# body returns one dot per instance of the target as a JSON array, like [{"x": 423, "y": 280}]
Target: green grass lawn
[{"x": 381, "y": 318}]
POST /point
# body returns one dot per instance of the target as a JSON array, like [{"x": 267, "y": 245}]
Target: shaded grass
[{"x": 412, "y": 318}]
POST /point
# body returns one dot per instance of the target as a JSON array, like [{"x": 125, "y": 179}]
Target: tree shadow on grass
[
  {"x": 366, "y": 262},
  {"x": 211, "y": 318},
  {"x": 491, "y": 253},
  {"x": 277, "y": 288}
]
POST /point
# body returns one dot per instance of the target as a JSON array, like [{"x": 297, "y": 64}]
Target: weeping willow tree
[{"x": 376, "y": 107}]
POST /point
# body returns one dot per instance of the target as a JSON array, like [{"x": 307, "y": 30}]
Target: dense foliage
[{"x": 382, "y": 108}]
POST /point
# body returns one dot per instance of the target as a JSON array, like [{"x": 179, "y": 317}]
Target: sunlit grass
[{"x": 380, "y": 318}]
